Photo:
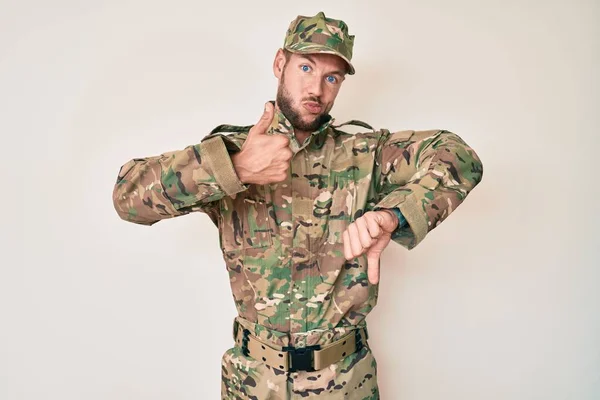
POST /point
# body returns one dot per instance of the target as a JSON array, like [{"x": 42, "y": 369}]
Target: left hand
[{"x": 370, "y": 233}]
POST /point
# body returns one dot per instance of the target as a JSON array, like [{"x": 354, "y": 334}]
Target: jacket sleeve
[
  {"x": 426, "y": 175},
  {"x": 176, "y": 183}
]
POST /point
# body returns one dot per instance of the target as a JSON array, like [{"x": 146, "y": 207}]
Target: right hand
[{"x": 263, "y": 158}]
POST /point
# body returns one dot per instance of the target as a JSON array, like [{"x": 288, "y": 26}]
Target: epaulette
[
  {"x": 354, "y": 122},
  {"x": 225, "y": 128},
  {"x": 230, "y": 128}
]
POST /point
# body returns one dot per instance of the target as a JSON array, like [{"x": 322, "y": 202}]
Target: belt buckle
[{"x": 301, "y": 358}]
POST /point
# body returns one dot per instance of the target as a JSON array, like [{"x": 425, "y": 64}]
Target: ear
[{"x": 279, "y": 63}]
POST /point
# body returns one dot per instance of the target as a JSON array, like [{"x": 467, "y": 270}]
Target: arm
[
  {"x": 426, "y": 175},
  {"x": 178, "y": 182}
]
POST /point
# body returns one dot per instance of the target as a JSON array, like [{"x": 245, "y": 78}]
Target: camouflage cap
[{"x": 319, "y": 34}]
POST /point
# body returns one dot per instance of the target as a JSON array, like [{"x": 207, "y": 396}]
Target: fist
[
  {"x": 371, "y": 233},
  {"x": 263, "y": 158}
]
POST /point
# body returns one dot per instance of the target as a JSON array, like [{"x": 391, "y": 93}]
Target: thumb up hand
[{"x": 263, "y": 158}]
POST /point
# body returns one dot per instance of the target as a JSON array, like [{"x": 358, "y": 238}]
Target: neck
[{"x": 301, "y": 135}]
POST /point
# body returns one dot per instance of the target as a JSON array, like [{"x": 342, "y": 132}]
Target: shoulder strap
[
  {"x": 230, "y": 128},
  {"x": 219, "y": 130},
  {"x": 226, "y": 128},
  {"x": 355, "y": 122},
  {"x": 385, "y": 133}
]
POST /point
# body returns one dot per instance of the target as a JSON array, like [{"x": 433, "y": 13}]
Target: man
[{"x": 304, "y": 211}]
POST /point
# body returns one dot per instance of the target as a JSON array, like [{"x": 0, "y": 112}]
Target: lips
[{"x": 312, "y": 107}]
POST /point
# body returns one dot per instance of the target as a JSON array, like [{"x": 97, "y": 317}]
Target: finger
[
  {"x": 373, "y": 267},
  {"x": 284, "y": 155},
  {"x": 281, "y": 165},
  {"x": 263, "y": 123},
  {"x": 347, "y": 249},
  {"x": 363, "y": 233},
  {"x": 355, "y": 245},
  {"x": 281, "y": 177},
  {"x": 374, "y": 228}
]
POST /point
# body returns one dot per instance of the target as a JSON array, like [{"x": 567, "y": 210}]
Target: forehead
[{"x": 321, "y": 60}]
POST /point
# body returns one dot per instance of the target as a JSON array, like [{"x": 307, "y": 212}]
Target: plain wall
[{"x": 499, "y": 302}]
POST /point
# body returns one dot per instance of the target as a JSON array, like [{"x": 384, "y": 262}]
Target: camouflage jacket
[{"x": 282, "y": 242}]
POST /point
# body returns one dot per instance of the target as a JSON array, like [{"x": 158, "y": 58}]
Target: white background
[{"x": 499, "y": 302}]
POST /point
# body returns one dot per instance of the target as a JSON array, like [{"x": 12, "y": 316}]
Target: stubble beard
[{"x": 285, "y": 103}]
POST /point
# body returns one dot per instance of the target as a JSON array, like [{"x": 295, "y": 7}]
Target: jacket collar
[{"x": 282, "y": 125}]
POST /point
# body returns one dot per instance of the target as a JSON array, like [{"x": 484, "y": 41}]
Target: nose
[{"x": 315, "y": 86}]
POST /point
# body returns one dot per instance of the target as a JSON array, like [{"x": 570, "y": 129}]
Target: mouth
[{"x": 312, "y": 107}]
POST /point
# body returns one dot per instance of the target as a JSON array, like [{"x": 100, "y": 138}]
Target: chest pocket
[
  {"x": 256, "y": 224},
  {"x": 244, "y": 222}
]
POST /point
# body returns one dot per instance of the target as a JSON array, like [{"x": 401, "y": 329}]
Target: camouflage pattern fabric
[
  {"x": 282, "y": 242},
  {"x": 354, "y": 377},
  {"x": 319, "y": 34}
]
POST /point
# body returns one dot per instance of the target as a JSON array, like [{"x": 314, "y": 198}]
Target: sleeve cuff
[
  {"x": 214, "y": 152},
  {"x": 416, "y": 222}
]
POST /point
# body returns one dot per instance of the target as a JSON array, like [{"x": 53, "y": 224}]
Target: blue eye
[
  {"x": 331, "y": 79},
  {"x": 305, "y": 68}
]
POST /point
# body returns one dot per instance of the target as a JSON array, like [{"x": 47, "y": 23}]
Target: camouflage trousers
[{"x": 353, "y": 377}]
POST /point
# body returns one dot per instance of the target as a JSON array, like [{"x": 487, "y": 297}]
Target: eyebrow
[{"x": 312, "y": 60}]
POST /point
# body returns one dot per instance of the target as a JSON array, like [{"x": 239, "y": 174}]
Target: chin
[
  {"x": 311, "y": 120},
  {"x": 307, "y": 116}
]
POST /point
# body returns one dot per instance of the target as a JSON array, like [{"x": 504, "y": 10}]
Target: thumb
[
  {"x": 265, "y": 120},
  {"x": 373, "y": 255},
  {"x": 373, "y": 267}
]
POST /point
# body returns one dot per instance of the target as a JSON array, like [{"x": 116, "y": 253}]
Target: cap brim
[{"x": 319, "y": 49}]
